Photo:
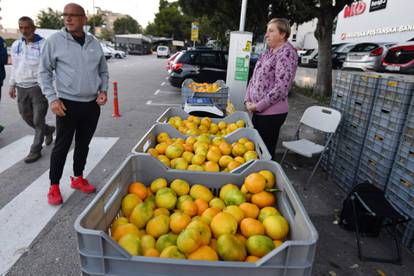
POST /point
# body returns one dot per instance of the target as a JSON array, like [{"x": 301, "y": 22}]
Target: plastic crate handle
[
  {"x": 109, "y": 201},
  {"x": 144, "y": 143},
  {"x": 405, "y": 183}
]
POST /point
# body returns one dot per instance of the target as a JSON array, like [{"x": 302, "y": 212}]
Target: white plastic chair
[{"x": 321, "y": 118}]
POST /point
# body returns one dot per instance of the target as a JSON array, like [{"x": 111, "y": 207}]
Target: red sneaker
[
  {"x": 54, "y": 197},
  {"x": 80, "y": 183}
]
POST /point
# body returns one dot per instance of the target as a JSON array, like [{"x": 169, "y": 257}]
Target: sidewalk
[{"x": 336, "y": 252}]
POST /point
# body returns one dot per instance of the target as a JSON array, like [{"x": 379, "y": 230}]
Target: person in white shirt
[{"x": 32, "y": 104}]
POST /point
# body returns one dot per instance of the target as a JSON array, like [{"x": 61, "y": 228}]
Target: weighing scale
[{"x": 202, "y": 107}]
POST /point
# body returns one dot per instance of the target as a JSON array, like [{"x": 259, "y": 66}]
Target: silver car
[
  {"x": 307, "y": 57},
  {"x": 366, "y": 56}
]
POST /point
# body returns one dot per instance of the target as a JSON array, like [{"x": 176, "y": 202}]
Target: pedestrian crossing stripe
[
  {"x": 14, "y": 152},
  {"x": 28, "y": 213}
]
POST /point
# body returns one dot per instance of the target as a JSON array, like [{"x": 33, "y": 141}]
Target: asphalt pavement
[{"x": 144, "y": 93}]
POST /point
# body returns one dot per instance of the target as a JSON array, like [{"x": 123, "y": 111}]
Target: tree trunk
[{"x": 323, "y": 34}]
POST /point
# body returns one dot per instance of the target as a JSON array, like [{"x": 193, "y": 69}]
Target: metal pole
[
  {"x": 243, "y": 15},
  {"x": 93, "y": 14}
]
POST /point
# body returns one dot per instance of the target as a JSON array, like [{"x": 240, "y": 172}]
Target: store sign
[
  {"x": 379, "y": 31},
  {"x": 194, "y": 31},
  {"x": 357, "y": 8},
  {"x": 377, "y": 5}
]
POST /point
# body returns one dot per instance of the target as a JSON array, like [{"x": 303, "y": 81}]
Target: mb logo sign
[{"x": 377, "y": 5}]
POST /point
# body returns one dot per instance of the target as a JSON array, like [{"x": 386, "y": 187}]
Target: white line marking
[
  {"x": 168, "y": 92},
  {"x": 156, "y": 92},
  {"x": 163, "y": 83},
  {"x": 14, "y": 152},
  {"x": 28, "y": 213},
  {"x": 162, "y": 104}
]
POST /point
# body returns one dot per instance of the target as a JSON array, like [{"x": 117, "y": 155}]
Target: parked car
[
  {"x": 171, "y": 59},
  {"x": 400, "y": 58},
  {"x": 307, "y": 58},
  {"x": 300, "y": 53},
  {"x": 201, "y": 65},
  {"x": 339, "y": 52},
  {"x": 116, "y": 53},
  {"x": 163, "y": 51},
  {"x": 106, "y": 51},
  {"x": 366, "y": 56}
]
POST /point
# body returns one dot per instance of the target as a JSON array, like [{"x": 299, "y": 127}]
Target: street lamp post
[
  {"x": 243, "y": 15},
  {"x": 93, "y": 16}
]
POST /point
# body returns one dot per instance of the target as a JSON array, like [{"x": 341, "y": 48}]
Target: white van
[{"x": 163, "y": 51}]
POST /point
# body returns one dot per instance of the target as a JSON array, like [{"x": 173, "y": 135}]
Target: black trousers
[
  {"x": 268, "y": 127},
  {"x": 80, "y": 120}
]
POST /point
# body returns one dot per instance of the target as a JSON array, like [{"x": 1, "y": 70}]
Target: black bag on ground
[{"x": 365, "y": 197}]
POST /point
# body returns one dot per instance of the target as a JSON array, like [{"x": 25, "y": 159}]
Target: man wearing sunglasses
[{"x": 81, "y": 72}]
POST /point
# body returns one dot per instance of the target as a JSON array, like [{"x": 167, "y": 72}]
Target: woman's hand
[{"x": 250, "y": 106}]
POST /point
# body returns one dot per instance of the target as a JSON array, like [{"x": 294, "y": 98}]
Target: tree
[
  {"x": 226, "y": 14},
  {"x": 49, "y": 19},
  {"x": 170, "y": 22},
  {"x": 326, "y": 14},
  {"x": 95, "y": 21},
  {"x": 106, "y": 35},
  {"x": 127, "y": 25}
]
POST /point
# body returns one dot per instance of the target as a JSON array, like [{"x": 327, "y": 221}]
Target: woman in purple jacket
[{"x": 267, "y": 93}]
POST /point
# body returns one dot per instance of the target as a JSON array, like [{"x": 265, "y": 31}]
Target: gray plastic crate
[
  {"x": 346, "y": 162},
  {"x": 400, "y": 197},
  {"x": 341, "y": 92},
  {"x": 395, "y": 91},
  {"x": 100, "y": 255},
  {"x": 344, "y": 173},
  {"x": 383, "y": 138},
  {"x": 391, "y": 121},
  {"x": 219, "y": 98},
  {"x": 385, "y": 155},
  {"x": 374, "y": 168},
  {"x": 408, "y": 235},
  {"x": 149, "y": 140},
  {"x": 405, "y": 154},
  {"x": 232, "y": 118},
  {"x": 328, "y": 159},
  {"x": 355, "y": 127},
  {"x": 401, "y": 182},
  {"x": 350, "y": 147}
]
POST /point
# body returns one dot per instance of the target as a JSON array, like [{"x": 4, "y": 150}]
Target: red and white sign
[{"x": 357, "y": 8}]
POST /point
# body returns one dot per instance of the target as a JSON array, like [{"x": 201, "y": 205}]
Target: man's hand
[
  {"x": 58, "y": 108},
  {"x": 251, "y": 106},
  {"x": 102, "y": 98},
  {"x": 12, "y": 92}
]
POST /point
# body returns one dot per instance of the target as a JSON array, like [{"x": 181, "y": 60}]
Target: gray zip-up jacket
[{"x": 81, "y": 71}]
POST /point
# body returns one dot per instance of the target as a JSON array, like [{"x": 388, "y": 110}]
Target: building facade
[{"x": 364, "y": 21}]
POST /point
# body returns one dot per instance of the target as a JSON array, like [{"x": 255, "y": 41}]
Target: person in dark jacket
[{"x": 3, "y": 61}]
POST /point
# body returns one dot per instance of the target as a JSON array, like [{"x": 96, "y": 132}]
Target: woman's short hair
[{"x": 282, "y": 25}]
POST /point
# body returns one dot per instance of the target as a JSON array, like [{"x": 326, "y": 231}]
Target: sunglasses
[{"x": 72, "y": 15}]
